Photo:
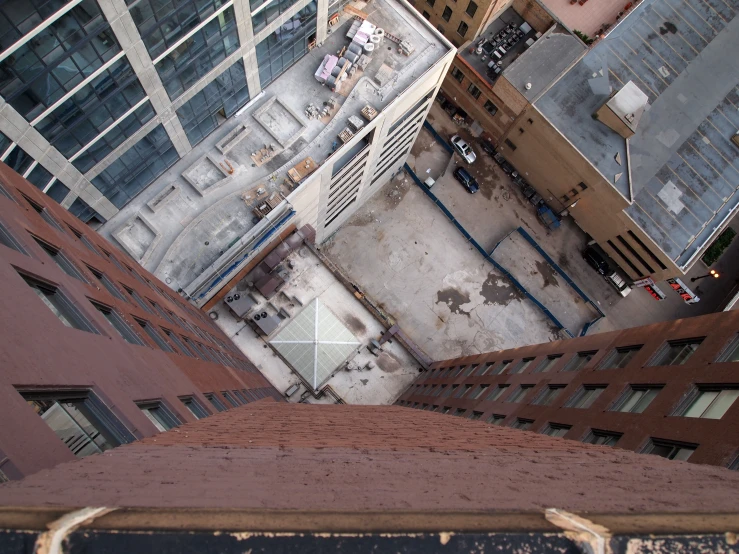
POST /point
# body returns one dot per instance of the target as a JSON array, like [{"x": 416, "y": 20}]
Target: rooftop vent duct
[{"x": 624, "y": 109}]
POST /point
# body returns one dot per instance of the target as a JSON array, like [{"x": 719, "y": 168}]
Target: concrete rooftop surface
[
  {"x": 589, "y": 17},
  {"x": 683, "y": 167},
  {"x": 270, "y": 455},
  {"x": 192, "y": 230}
]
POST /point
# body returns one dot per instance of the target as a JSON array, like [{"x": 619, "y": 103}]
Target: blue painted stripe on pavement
[{"x": 437, "y": 136}]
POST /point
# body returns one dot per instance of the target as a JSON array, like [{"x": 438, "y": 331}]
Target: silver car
[{"x": 464, "y": 149}]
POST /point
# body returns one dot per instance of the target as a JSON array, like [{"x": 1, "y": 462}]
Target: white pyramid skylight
[{"x": 315, "y": 343}]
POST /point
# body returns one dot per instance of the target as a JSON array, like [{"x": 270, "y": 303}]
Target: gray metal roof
[
  {"x": 685, "y": 171},
  {"x": 544, "y": 61},
  {"x": 315, "y": 343}
]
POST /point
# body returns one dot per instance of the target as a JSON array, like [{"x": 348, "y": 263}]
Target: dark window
[
  {"x": 604, "y": 438},
  {"x": 137, "y": 167},
  {"x": 491, "y": 108},
  {"x": 669, "y": 449},
  {"x": 140, "y": 301},
  {"x": 457, "y": 74},
  {"x": 497, "y": 393},
  {"x": 579, "y": 361},
  {"x": 231, "y": 400},
  {"x": 585, "y": 397},
  {"x": 280, "y": 50},
  {"x": 59, "y": 305},
  {"x": 474, "y": 91},
  {"x": 549, "y": 395},
  {"x": 556, "y": 430},
  {"x": 547, "y": 363},
  {"x": 194, "y": 407},
  {"x": 510, "y": 145},
  {"x": 80, "y": 420},
  {"x": 519, "y": 394},
  {"x": 449, "y": 390},
  {"x": 9, "y": 240},
  {"x": 709, "y": 401},
  {"x": 426, "y": 14},
  {"x": 730, "y": 353},
  {"x": 154, "y": 335},
  {"x": 84, "y": 240},
  {"x": 634, "y": 253},
  {"x": 107, "y": 283},
  {"x": 523, "y": 424},
  {"x": 459, "y": 412},
  {"x": 61, "y": 260},
  {"x": 475, "y": 415},
  {"x": 644, "y": 247},
  {"x": 482, "y": 369},
  {"x": 446, "y": 409},
  {"x": 620, "y": 357},
  {"x": 462, "y": 29},
  {"x": 118, "y": 323},
  {"x": 636, "y": 399},
  {"x": 477, "y": 393},
  {"x": 217, "y": 403},
  {"x": 177, "y": 342},
  {"x": 616, "y": 249},
  {"x": 227, "y": 93},
  {"x": 471, "y": 9},
  {"x": 496, "y": 419},
  {"x": 161, "y": 416},
  {"x": 461, "y": 391},
  {"x": 44, "y": 213},
  {"x": 500, "y": 368},
  {"x": 431, "y": 2},
  {"x": 446, "y": 16},
  {"x": 676, "y": 352},
  {"x": 521, "y": 366}
]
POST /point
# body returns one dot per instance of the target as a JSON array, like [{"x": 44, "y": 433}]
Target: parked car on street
[
  {"x": 461, "y": 146},
  {"x": 596, "y": 260},
  {"x": 467, "y": 180},
  {"x": 487, "y": 146}
]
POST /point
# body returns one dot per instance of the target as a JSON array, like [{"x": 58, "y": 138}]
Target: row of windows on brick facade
[
  {"x": 672, "y": 352},
  {"x": 473, "y": 90},
  {"x": 707, "y": 401},
  {"x": 50, "y": 294},
  {"x": 90, "y": 245},
  {"x": 673, "y": 450},
  {"x": 86, "y": 425},
  {"x": 446, "y": 15}
]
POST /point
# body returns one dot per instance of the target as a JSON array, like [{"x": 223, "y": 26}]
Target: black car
[
  {"x": 596, "y": 260},
  {"x": 467, "y": 180},
  {"x": 487, "y": 146}
]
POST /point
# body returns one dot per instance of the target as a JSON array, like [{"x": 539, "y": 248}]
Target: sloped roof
[{"x": 315, "y": 343}]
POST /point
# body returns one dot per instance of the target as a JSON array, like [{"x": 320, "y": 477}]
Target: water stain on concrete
[
  {"x": 355, "y": 325},
  {"x": 547, "y": 273},
  {"x": 388, "y": 363},
  {"x": 496, "y": 291},
  {"x": 453, "y": 298},
  {"x": 360, "y": 220}
]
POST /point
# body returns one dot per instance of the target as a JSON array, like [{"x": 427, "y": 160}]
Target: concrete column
[
  {"x": 242, "y": 11},
  {"x": 124, "y": 28},
  {"x": 322, "y": 22},
  {"x": 17, "y": 129}
]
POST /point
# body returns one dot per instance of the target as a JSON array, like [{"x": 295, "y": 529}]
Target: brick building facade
[
  {"x": 96, "y": 345},
  {"x": 668, "y": 389}
]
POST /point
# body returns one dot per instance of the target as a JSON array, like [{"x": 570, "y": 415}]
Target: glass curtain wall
[
  {"x": 289, "y": 43},
  {"x": 94, "y": 108},
  {"x": 224, "y": 96},
  {"x": 57, "y": 59},
  {"x": 162, "y": 23},
  {"x": 136, "y": 168},
  {"x": 262, "y": 16},
  {"x": 201, "y": 52},
  {"x": 18, "y": 160},
  {"x": 85, "y": 213}
]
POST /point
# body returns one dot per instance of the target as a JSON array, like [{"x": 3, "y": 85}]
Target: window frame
[
  {"x": 630, "y": 392},
  {"x": 575, "y": 363},
  {"x": 56, "y": 254},
  {"x": 659, "y": 357},
  {"x": 466, "y": 28},
  {"x": 730, "y": 349},
  {"x": 520, "y": 393},
  {"x": 212, "y": 397},
  {"x": 654, "y": 443},
  {"x": 189, "y": 401},
  {"x": 547, "y": 363},
  {"x": 447, "y": 16},
  {"x": 158, "y": 407},
  {"x": 609, "y": 359},
  {"x": 73, "y": 316},
  {"x": 697, "y": 391},
  {"x": 546, "y": 394},
  {"x": 551, "y": 426},
  {"x": 125, "y": 331},
  {"x": 581, "y": 394},
  {"x": 594, "y": 434},
  {"x": 473, "y": 6}
]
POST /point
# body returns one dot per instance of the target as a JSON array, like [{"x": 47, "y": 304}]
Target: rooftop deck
[
  {"x": 192, "y": 231},
  {"x": 684, "y": 169}
]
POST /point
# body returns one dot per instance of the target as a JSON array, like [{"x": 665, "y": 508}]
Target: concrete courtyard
[{"x": 404, "y": 253}]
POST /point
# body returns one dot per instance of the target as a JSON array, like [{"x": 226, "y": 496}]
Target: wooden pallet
[{"x": 369, "y": 113}]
